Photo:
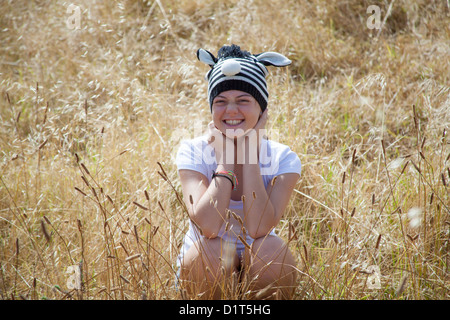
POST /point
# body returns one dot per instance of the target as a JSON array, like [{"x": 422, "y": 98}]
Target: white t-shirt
[{"x": 196, "y": 154}]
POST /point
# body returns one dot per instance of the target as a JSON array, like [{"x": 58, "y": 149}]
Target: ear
[
  {"x": 206, "y": 57},
  {"x": 273, "y": 59}
]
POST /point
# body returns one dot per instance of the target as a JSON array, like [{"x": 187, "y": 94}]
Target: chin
[{"x": 235, "y": 133}]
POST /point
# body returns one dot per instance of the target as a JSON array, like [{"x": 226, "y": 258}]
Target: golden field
[{"x": 96, "y": 96}]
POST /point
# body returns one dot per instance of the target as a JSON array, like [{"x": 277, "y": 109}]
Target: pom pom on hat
[{"x": 230, "y": 67}]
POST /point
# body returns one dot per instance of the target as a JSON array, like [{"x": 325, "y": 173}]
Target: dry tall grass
[{"x": 86, "y": 114}]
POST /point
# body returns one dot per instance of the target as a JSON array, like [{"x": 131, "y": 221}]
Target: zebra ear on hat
[
  {"x": 206, "y": 57},
  {"x": 273, "y": 59}
]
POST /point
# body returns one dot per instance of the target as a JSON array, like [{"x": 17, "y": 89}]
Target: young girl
[{"x": 236, "y": 184}]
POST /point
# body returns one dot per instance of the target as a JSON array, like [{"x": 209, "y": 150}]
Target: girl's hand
[
  {"x": 222, "y": 145},
  {"x": 250, "y": 143},
  {"x": 260, "y": 126}
]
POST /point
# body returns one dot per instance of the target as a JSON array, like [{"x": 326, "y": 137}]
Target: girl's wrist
[
  {"x": 225, "y": 167},
  {"x": 230, "y": 175}
]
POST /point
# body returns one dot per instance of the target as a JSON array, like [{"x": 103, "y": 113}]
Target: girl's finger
[{"x": 262, "y": 120}]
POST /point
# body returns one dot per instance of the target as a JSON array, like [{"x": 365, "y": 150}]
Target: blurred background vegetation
[{"x": 96, "y": 96}]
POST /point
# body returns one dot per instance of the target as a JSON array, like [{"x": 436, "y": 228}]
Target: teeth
[{"x": 233, "y": 122}]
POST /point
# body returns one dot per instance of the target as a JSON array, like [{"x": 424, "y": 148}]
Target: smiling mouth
[{"x": 233, "y": 122}]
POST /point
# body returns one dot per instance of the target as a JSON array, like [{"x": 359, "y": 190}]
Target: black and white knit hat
[{"x": 234, "y": 69}]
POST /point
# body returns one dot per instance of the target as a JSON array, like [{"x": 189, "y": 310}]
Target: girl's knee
[
  {"x": 271, "y": 264},
  {"x": 270, "y": 247},
  {"x": 207, "y": 256},
  {"x": 206, "y": 264}
]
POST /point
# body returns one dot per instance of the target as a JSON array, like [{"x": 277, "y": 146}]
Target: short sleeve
[
  {"x": 289, "y": 163},
  {"x": 277, "y": 159},
  {"x": 190, "y": 156}
]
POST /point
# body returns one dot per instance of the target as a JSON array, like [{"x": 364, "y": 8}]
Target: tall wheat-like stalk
[{"x": 96, "y": 96}]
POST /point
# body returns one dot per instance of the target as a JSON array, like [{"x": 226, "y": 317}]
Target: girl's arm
[
  {"x": 264, "y": 208},
  {"x": 207, "y": 203}
]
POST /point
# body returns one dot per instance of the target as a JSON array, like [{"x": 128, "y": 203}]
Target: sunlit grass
[{"x": 86, "y": 114}]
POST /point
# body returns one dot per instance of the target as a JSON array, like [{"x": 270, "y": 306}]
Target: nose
[{"x": 232, "y": 108}]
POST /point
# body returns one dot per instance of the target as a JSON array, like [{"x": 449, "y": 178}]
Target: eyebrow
[{"x": 239, "y": 96}]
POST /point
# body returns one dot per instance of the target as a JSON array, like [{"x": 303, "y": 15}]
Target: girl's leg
[
  {"x": 271, "y": 268},
  {"x": 205, "y": 267}
]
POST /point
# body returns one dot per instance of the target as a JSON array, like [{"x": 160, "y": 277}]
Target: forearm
[
  {"x": 209, "y": 212},
  {"x": 259, "y": 212}
]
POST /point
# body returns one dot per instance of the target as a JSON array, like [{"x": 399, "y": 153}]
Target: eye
[
  {"x": 244, "y": 101},
  {"x": 219, "y": 101}
]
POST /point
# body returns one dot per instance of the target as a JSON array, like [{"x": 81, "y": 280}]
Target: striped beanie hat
[{"x": 234, "y": 69}]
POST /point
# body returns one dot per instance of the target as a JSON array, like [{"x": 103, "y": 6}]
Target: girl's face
[{"x": 235, "y": 112}]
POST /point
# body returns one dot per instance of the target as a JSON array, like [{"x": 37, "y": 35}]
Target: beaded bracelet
[
  {"x": 229, "y": 175},
  {"x": 225, "y": 176},
  {"x": 233, "y": 177}
]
